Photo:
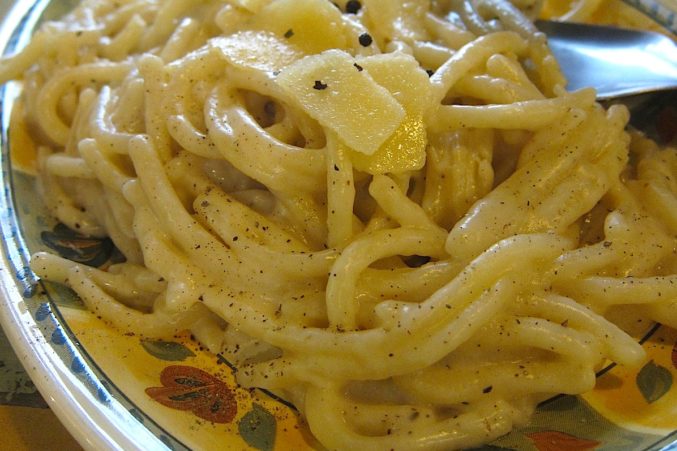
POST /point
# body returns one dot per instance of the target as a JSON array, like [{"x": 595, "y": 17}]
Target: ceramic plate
[{"x": 122, "y": 391}]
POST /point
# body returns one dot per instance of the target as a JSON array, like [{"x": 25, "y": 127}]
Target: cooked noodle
[{"x": 414, "y": 259}]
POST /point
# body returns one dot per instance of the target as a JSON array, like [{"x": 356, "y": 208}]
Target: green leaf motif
[
  {"x": 653, "y": 381},
  {"x": 258, "y": 427},
  {"x": 167, "y": 350}
]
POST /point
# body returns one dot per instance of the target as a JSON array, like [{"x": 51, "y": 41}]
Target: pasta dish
[{"x": 391, "y": 213}]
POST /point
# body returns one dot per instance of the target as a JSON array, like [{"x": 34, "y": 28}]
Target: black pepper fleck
[
  {"x": 289, "y": 33},
  {"x": 353, "y": 6},
  {"x": 319, "y": 85},
  {"x": 365, "y": 40}
]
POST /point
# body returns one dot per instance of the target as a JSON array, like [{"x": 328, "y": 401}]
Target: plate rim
[{"x": 93, "y": 425}]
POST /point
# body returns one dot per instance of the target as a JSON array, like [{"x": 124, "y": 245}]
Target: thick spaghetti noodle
[{"x": 414, "y": 259}]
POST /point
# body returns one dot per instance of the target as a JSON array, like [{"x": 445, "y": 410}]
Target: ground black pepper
[
  {"x": 353, "y": 6},
  {"x": 365, "y": 40}
]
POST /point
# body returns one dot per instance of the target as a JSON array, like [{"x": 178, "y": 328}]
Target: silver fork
[
  {"x": 635, "y": 68},
  {"x": 617, "y": 62}
]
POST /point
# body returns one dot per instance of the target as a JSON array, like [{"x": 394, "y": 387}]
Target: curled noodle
[{"x": 420, "y": 290}]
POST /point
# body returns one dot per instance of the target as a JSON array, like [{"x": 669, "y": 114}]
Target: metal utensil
[{"x": 617, "y": 62}]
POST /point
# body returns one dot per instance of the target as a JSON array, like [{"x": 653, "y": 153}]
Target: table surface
[{"x": 26, "y": 422}]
